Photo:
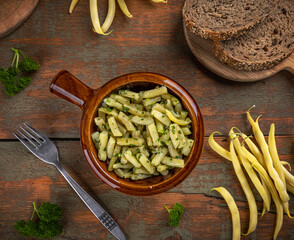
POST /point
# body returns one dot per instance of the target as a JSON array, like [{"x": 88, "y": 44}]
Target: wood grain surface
[
  {"x": 13, "y": 13},
  {"x": 203, "y": 51},
  {"x": 153, "y": 40},
  {"x": 25, "y": 179}
]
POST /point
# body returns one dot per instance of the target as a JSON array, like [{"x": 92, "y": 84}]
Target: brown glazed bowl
[{"x": 70, "y": 88}]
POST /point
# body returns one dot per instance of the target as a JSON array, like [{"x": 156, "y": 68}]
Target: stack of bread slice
[{"x": 247, "y": 34}]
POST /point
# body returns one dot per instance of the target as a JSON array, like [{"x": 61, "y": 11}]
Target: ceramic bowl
[{"x": 66, "y": 86}]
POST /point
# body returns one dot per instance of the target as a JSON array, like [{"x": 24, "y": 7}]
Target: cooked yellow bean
[
  {"x": 234, "y": 211},
  {"x": 151, "y": 101},
  {"x": 103, "y": 137},
  {"x": 131, "y": 158},
  {"x": 130, "y": 141},
  {"x": 173, "y": 99},
  {"x": 142, "y": 120},
  {"x": 115, "y": 157},
  {"x": 121, "y": 99},
  {"x": 160, "y": 117},
  {"x": 177, "y": 120},
  {"x": 145, "y": 162},
  {"x": 159, "y": 108},
  {"x": 110, "y": 147},
  {"x": 108, "y": 111},
  {"x": 155, "y": 92},
  {"x": 247, "y": 190},
  {"x": 173, "y": 162},
  {"x": 129, "y": 94},
  {"x": 187, "y": 149},
  {"x": 126, "y": 121},
  {"x": 114, "y": 128}
]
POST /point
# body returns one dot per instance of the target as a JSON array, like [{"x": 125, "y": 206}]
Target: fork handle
[{"x": 95, "y": 208}]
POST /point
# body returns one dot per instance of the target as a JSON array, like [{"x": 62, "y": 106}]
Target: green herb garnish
[
  {"x": 175, "y": 214},
  {"x": 47, "y": 226},
  {"x": 125, "y": 109},
  {"x": 11, "y": 78}
]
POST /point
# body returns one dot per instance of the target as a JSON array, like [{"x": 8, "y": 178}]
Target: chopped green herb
[
  {"x": 180, "y": 132},
  {"x": 108, "y": 109},
  {"x": 125, "y": 109}
]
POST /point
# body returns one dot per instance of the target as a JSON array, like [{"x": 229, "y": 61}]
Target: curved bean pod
[
  {"x": 72, "y": 5},
  {"x": 247, "y": 190},
  {"x": 110, "y": 16},
  {"x": 251, "y": 173},
  {"x": 124, "y": 8},
  {"x": 217, "y": 148},
  {"x": 268, "y": 160},
  {"x": 234, "y": 211}
]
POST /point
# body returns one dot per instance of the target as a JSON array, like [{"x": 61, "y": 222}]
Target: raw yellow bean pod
[
  {"x": 72, "y": 5},
  {"x": 124, "y": 8},
  {"x": 217, "y": 148},
  {"x": 110, "y": 16},
  {"x": 251, "y": 173},
  {"x": 247, "y": 190},
  {"x": 277, "y": 163},
  {"x": 264, "y": 175},
  {"x": 284, "y": 163},
  {"x": 268, "y": 160},
  {"x": 95, "y": 18},
  {"x": 234, "y": 211}
]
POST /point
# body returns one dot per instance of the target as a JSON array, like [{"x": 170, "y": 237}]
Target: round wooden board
[
  {"x": 203, "y": 51},
  {"x": 13, "y": 13}
]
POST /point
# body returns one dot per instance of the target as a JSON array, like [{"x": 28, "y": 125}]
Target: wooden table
[{"x": 152, "y": 41}]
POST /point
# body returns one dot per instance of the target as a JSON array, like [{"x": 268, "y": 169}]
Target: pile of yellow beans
[
  {"x": 262, "y": 160},
  {"x": 102, "y": 30}
]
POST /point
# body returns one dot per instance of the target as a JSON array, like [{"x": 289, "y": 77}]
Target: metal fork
[{"x": 45, "y": 150}]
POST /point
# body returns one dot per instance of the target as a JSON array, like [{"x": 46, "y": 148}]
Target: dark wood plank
[
  {"x": 24, "y": 179},
  {"x": 152, "y": 41}
]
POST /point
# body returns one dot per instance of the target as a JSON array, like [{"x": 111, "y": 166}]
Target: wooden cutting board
[
  {"x": 203, "y": 51},
  {"x": 13, "y": 13}
]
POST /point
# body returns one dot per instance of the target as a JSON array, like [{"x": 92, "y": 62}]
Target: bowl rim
[{"x": 118, "y": 183}]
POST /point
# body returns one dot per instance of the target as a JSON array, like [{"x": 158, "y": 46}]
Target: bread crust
[
  {"x": 218, "y": 35},
  {"x": 266, "y": 37},
  {"x": 246, "y": 65}
]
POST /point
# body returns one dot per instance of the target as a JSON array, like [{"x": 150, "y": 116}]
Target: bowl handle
[{"x": 66, "y": 86}]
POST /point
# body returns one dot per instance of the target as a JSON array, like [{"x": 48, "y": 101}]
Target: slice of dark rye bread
[
  {"x": 265, "y": 45},
  {"x": 224, "y": 19}
]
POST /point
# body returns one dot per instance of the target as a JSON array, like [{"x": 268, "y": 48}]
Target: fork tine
[
  {"x": 28, "y": 146},
  {"x": 27, "y": 138},
  {"x": 37, "y": 133},
  {"x": 31, "y": 136}
]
